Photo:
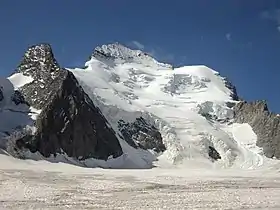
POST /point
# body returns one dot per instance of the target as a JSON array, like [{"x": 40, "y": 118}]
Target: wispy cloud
[
  {"x": 160, "y": 54},
  {"x": 228, "y": 36},
  {"x": 63, "y": 50},
  {"x": 272, "y": 15},
  {"x": 138, "y": 45},
  {"x": 156, "y": 52}
]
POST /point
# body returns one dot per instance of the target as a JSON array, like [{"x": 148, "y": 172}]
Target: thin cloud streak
[
  {"x": 156, "y": 52},
  {"x": 272, "y": 15},
  {"x": 228, "y": 36},
  {"x": 138, "y": 45}
]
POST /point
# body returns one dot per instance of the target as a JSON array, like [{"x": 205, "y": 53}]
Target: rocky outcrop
[
  {"x": 141, "y": 134},
  {"x": 68, "y": 122},
  {"x": 18, "y": 98},
  {"x": 265, "y": 124},
  {"x": 39, "y": 63},
  {"x": 213, "y": 153},
  {"x": 1, "y": 94},
  {"x": 231, "y": 87},
  {"x": 116, "y": 51},
  {"x": 120, "y": 53}
]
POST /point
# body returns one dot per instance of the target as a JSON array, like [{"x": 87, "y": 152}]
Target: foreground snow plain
[{"x": 28, "y": 184}]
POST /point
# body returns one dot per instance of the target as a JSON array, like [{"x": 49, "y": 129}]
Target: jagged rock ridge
[
  {"x": 117, "y": 51},
  {"x": 265, "y": 124},
  {"x": 230, "y": 86},
  {"x": 39, "y": 63},
  {"x": 69, "y": 122},
  {"x": 1, "y": 94}
]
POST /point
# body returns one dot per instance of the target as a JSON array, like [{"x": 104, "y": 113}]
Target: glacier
[{"x": 126, "y": 84}]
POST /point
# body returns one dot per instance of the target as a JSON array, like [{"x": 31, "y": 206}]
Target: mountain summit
[
  {"x": 117, "y": 50},
  {"x": 120, "y": 53},
  {"x": 127, "y": 110}
]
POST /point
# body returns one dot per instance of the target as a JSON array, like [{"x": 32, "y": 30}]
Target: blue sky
[{"x": 238, "y": 38}]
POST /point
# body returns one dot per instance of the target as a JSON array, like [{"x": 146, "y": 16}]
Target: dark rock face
[
  {"x": 69, "y": 121},
  {"x": 113, "y": 51},
  {"x": 213, "y": 154},
  {"x": 18, "y": 98},
  {"x": 39, "y": 63},
  {"x": 1, "y": 94},
  {"x": 265, "y": 124},
  {"x": 230, "y": 86},
  {"x": 99, "y": 53},
  {"x": 141, "y": 134}
]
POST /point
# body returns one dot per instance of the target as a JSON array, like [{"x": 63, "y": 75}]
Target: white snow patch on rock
[{"x": 19, "y": 80}]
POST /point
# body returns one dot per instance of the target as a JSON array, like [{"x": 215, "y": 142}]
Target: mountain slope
[
  {"x": 67, "y": 121},
  {"x": 126, "y": 110},
  {"x": 191, "y": 106}
]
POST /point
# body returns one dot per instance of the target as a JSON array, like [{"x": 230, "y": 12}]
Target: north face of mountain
[{"x": 68, "y": 121}]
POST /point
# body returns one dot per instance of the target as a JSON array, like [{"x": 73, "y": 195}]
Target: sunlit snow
[
  {"x": 174, "y": 100},
  {"x": 18, "y": 80},
  {"x": 28, "y": 184}
]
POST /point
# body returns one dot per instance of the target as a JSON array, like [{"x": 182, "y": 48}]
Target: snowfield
[{"x": 28, "y": 184}]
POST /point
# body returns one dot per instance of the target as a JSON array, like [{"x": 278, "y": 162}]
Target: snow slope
[{"x": 127, "y": 84}]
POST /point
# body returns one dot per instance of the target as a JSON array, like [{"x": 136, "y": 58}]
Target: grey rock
[
  {"x": 118, "y": 51},
  {"x": 141, "y": 134},
  {"x": 213, "y": 153},
  {"x": 39, "y": 63},
  {"x": 230, "y": 104},
  {"x": 1, "y": 94},
  {"x": 230, "y": 86},
  {"x": 18, "y": 98},
  {"x": 114, "y": 51},
  {"x": 265, "y": 124},
  {"x": 13, "y": 142},
  {"x": 69, "y": 122}
]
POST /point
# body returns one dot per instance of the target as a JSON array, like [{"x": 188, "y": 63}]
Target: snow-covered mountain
[{"x": 127, "y": 110}]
